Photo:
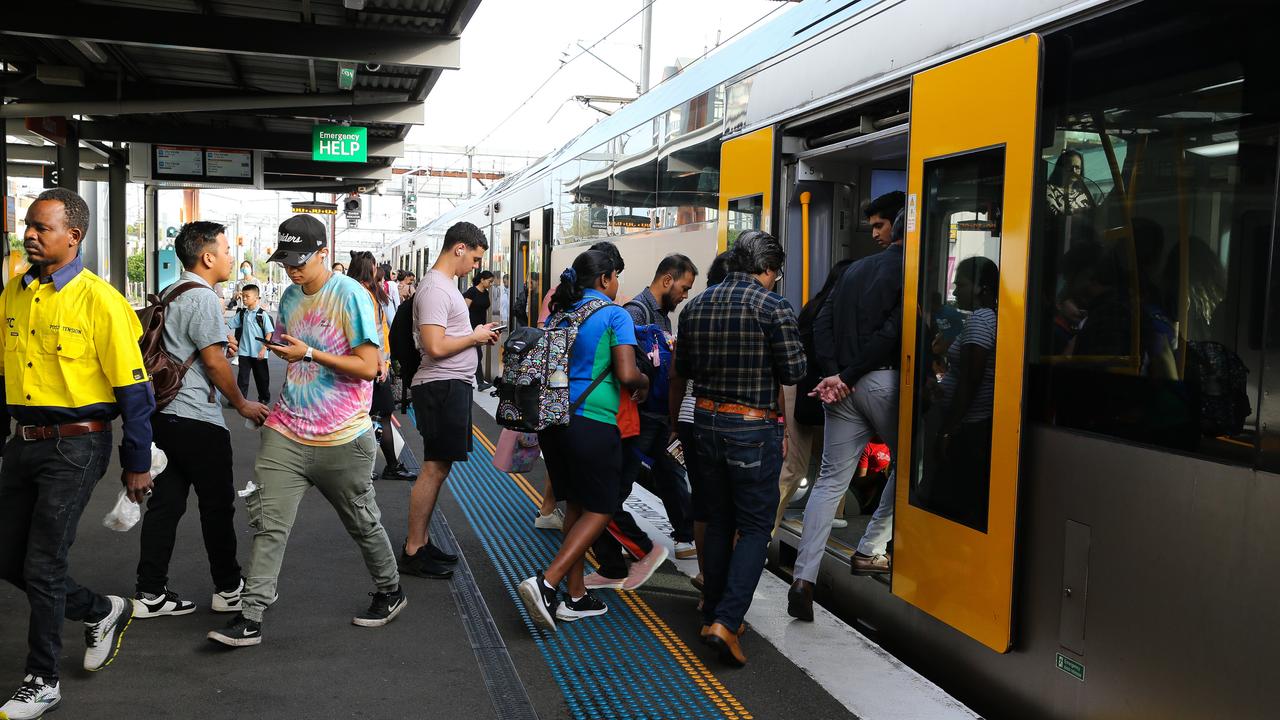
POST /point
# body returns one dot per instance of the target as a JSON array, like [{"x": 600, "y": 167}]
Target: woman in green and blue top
[{"x": 584, "y": 458}]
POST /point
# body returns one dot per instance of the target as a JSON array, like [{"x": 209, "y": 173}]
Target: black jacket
[{"x": 859, "y": 328}]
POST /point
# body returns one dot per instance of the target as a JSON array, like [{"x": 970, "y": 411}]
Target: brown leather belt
[
  {"x": 31, "y": 433},
  {"x": 746, "y": 411}
]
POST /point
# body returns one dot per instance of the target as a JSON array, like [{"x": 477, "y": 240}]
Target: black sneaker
[
  {"x": 421, "y": 565},
  {"x": 398, "y": 472},
  {"x": 384, "y": 608},
  {"x": 439, "y": 555},
  {"x": 539, "y": 600},
  {"x": 240, "y": 632},
  {"x": 586, "y": 606}
]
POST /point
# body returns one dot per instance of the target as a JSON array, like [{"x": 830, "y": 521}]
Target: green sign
[
  {"x": 339, "y": 143},
  {"x": 346, "y": 77},
  {"x": 1071, "y": 667}
]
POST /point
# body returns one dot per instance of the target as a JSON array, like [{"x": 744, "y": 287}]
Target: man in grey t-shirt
[{"x": 192, "y": 432}]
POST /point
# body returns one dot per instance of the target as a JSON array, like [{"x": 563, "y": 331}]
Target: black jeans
[
  {"x": 666, "y": 477},
  {"x": 44, "y": 486},
  {"x": 261, "y": 377},
  {"x": 199, "y": 457},
  {"x": 738, "y": 463}
]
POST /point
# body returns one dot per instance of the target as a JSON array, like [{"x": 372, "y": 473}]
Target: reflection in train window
[
  {"x": 745, "y": 214},
  {"x": 956, "y": 337},
  {"x": 1152, "y": 246}
]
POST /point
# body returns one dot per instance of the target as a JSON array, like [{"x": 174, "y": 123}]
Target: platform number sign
[
  {"x": 1071, "y": 667},
  {"x": 339, "y": 143}
]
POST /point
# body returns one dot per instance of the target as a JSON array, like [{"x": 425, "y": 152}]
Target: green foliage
[{"x": 136, "y": 268}]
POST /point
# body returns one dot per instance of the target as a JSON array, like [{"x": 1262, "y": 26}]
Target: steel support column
[
  {"x": 69, "y": 158},
  {"x": 117, "y": 245}
]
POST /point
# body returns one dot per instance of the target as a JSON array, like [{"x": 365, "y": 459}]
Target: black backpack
[
  {"x": 403, "y": 349},
  {"x": 1220, "y": 380},
  {"x": 257, "y": 316}
]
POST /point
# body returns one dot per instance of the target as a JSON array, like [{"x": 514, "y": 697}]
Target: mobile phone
[
  {"x": 276, "y": 339},
  {"x": 676, "y": 451},
  {"x": 499, "y": 329}
]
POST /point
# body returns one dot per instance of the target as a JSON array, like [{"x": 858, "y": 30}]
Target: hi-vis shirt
[{"x": 71, "y": 353}]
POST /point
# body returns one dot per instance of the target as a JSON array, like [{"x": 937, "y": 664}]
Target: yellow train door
[
  {"x": 746, "y": 185},
  {"x": 969, "y": 203}
]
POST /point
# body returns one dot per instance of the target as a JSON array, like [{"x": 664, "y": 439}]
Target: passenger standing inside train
[
  {"x": 584, "y": 458},
  {"x": 738, "y": 343},
  {"x": 319, "y": 433},
  {"x": 71, "y": 364},
  {"x": 857, "y": 338},
  {"x": 442, "y": 388},
  {"x": 477, "y": 299}
]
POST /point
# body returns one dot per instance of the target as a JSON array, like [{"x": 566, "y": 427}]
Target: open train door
[
  {"x": 973, "y": 157},
  {"x": 746, "y": 186}
]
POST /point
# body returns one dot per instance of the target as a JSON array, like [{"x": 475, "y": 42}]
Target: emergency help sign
[{"x": 339, "y": 143}]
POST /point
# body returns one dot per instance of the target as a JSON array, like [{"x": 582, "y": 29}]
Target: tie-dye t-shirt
[{"x": 319, "y": 406}]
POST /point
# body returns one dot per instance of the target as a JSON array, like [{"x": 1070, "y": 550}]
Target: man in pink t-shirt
[{"x": 442, "y": 388}]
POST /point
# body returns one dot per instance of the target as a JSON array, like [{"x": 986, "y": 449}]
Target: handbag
[{"x": 516, "y": 451}]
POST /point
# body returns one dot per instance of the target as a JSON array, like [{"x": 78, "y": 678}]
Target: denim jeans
[
  {"x": 44, "y": 486},
  {"x": 738, "y": 462}
]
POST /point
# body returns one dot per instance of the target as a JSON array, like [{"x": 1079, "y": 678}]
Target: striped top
[{"x": 979, "y": 329}]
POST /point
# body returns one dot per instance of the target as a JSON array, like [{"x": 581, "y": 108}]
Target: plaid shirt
[{"x": 738, "y": 342}]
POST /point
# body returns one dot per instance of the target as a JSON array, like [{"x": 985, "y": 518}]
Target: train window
[
  {"x": 1153, "y": 237},
  {"x": 745, "y": 213},
  {"x": 634, "y": 182},
  {"x": 689, "y": 161},
  {"x": 955, "y": 382}
]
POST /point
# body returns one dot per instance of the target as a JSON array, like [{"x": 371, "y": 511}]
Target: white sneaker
[
  {"x": 552, "y": 521},
  {"x": 686, "y": 551},
  {"x": 228, "y": 602},
  {"x": 641, "y": 570},
  {"x": 32, "y": 700},
  {"x": 102, "y": 638},
  {"x": 839, "y": 523},
  {"x": 166, "y": 603}
]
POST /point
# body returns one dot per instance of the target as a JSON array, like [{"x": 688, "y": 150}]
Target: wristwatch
[{"x": 308, "y": 357}]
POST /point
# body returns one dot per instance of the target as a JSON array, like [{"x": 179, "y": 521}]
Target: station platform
[{"x": 462, "y": 647}]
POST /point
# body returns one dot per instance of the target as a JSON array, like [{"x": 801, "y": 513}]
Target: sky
[{"x": 511, "y": 46}]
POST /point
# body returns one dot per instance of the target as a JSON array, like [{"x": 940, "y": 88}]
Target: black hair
[
  {"x": 886, "y": 206},
  {"x": 254, "y": 288},
  {"x": 402, "y": 275},
  {"x": 76, "y": 209},
  {"x": 809, "y": 312},
  {"x": 719, "y": 269},
  {"x": 982, "y": 273},
  {"x": 464, "y": 233},
  {"x": 1062, "y": 171},
  {"x": 755, "y": 252},
  {"x": 612, "y": 251},
  {"x": 677, "y": 266},
  {"x": 588, "y": 267},
  {"x": 194, "y": 240},
  {"x": 481, "y": 277},
  {"x": 363, "y": 269}
]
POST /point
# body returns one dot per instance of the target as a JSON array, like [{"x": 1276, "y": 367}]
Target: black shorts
[
  {"x": 443, "y": 409},
  {"x": 384, "y": 403},
  {"x": 584, "y": 463}
]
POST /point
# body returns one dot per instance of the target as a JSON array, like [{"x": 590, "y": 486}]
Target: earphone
[{"x": 458, "y": 252}]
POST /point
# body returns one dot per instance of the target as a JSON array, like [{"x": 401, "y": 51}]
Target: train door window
[
  {"x": 955, "y": 378},
  {"x": 745, "y": 214},
  {"x": 1154, "y": 234}
]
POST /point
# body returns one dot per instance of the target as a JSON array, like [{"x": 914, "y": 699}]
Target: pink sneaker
[
  {"x": 596, "y": 581},
  {"x": 642, "y": 570}
]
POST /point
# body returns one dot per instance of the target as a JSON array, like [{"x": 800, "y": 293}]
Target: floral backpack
[{"x": 533, "y": 393}]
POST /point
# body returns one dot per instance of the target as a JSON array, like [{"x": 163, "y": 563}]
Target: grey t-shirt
[
  {"x": 194, "y": 322},
  {"x": 439, "y": 302}
]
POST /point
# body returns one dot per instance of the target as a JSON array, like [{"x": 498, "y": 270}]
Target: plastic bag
[{"x": 126, "y": 513}]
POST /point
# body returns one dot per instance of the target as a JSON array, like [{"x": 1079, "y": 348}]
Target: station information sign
[{"x": 339, "y": 143}]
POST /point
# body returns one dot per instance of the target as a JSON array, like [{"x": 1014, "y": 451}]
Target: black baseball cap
[{"x": 301, "y": 236}]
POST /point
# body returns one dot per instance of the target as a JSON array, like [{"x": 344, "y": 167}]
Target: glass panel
[
  {"x": 591, "y": 193},
  {"x": 956, "y": 340},
  {"x": 744, "y": 214},
  {"x": 634, "y": 182},
  {"x": 1152, "y": 249},
  {"x": 689, "y": 162}
]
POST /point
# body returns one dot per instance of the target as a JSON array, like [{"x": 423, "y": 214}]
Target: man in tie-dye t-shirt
[{"x": 319, "y": 432}]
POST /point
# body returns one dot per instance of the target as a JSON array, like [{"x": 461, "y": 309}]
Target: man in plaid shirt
[{"x": 738, "y": 343}]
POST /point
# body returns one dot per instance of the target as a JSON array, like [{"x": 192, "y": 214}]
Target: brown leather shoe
[
  {"x": 726, "y": 643},
  {"x": 707, "y": 628},
  {"x": 870, "y": 565},
  {"x": 800, "y": 600}
]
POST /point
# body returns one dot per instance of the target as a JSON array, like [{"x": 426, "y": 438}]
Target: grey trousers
[
  {"x": 284, "y": 471},
  {"x": 871, "y": 409}
]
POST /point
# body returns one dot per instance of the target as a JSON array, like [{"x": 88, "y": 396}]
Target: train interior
[{"x": 832, "y": 168}]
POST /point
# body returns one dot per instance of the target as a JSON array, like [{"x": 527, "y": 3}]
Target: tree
[{"x": 136, "y": 268}]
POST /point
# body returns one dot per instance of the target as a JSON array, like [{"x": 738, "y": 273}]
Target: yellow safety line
[{"x": 680, "y": 652}]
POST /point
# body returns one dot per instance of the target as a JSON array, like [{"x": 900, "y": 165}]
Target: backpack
[
  {"x": 257, "y": 316},
  {"x": 1220, "y": 380},
  {"x": 404, "y": 351},
  {"x": 533, "y": 393},
  {"x": 653, "y": 356},
  {"x": 166, "y": 372}
]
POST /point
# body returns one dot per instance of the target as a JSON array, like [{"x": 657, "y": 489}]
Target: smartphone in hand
[{"x": 276, "y": 339}]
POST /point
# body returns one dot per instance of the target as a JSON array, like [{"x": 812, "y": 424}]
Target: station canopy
[{"x": 235, "y": 74}]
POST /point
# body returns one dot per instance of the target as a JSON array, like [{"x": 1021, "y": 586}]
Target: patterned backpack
[{"x": 533, "y": 393}]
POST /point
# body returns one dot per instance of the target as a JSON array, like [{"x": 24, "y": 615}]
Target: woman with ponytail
[{"x": 584, "y": 458}]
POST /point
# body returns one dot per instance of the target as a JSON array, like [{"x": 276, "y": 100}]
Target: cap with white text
[{"x": 301, "y": 236}]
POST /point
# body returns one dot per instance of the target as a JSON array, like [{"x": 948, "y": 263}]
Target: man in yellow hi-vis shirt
[{"x": 71, "y": 365}]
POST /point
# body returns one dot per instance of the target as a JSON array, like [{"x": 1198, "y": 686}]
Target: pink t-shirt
[{"x": 439, "y": 302}]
